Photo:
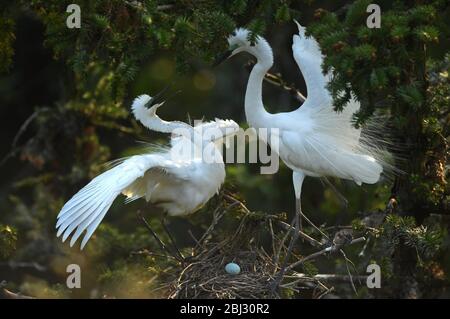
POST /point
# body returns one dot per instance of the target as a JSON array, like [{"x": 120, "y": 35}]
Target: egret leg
[
  {"x": 161, "y": 244},
  {"x": 298, "y": 211},
  {"x": 297, "y": 181},
  {"x": 295, "y": 226},
  {"x": 174, "y": 245}
]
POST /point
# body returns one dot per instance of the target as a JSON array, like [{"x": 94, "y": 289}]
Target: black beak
[
  {"x": 158, "y": 97},
  {"x": 222, "y": 57}
]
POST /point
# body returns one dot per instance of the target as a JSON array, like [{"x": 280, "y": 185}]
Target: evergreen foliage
[{"x": 400, "y": 71}]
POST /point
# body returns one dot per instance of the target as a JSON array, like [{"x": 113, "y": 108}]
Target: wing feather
[
  {"x": 86, "y": 209},
  {"x": 309, "y": 59},
  {"x": 329, "y": 143}
]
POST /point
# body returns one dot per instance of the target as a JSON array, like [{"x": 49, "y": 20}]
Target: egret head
[
  {"x": 239, "y": 41},
  {"x": 144, "y": 108}
]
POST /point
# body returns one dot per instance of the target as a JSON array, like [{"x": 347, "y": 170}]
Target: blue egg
[{"x": 232, "y": 268}]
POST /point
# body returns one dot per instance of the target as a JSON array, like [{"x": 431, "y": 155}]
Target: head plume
[
  {"x": 239, "y": 41},
  {"x": 149, "y": 118}
]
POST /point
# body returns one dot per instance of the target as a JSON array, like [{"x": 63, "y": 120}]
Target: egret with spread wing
[
  {"x": 179, "y": 179},
  {"x": 314, "y": 140}
]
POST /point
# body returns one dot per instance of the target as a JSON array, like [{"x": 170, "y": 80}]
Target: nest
[
  {"x": 207, "y": 278},
  {"x": 204, "y": 275}
]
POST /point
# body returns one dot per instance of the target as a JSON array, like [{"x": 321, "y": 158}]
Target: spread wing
[
  {"x": 86, "y": 209},
  {"x": 329, "y": 145},
  {"x": 309, "y": 59}
]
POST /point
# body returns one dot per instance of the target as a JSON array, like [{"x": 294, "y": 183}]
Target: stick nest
[
  {"x": 204, "y": 275},
  {"x": 207, "y": 278}
]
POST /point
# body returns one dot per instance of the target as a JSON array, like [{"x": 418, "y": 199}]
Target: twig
[
  {"x": 363, "y": 250},
  {"x": 237, "y": 202},
  {"x": 149, "y": 253},
  {"x": 308, "y": 238},
  {"x": 23, "y": 127},
  {"x": 326, "y": 292},
  {"x": 7, "y": 294},
  {"x": 20, "y": 264},
  {"x": 139, "y": 6},
  {"x": 339, "y": 227},
  {"x": 10, "y": 154},
  {"x": 314, "y": 226},
  {"x": 341, "y": 198},
  {"x": 272, "y": 235},
  {"x": 163, "y": 7},
  {"x": 330, "y": 277},
  {"x": 197, "y": 242},
  {"x": 331, "y": 249},
  {"x": 306, "y": 281},
  {"x": 134, "y": 4},
  {"x": 211, "y": 227},
  {"x": 25, "y": 124},
  {"x": 283, "y": 241},
  {"x": 347, "y": 261},
  {"x": 217, "y": 215}
]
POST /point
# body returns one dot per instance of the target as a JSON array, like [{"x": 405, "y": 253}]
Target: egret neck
[{"x": 255, "y": 112}]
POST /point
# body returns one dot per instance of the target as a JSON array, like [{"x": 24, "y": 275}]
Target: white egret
[
  {"x": 314, "y": 140},
  {"x": 177, "y": 179}
]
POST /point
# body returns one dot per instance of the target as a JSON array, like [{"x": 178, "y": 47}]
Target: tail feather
[{"x": 364, "y": 168}]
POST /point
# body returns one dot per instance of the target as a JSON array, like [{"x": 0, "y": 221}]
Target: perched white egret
[
  {"x": 177, "y": 179},
  {"x": 314, "y": 140}
]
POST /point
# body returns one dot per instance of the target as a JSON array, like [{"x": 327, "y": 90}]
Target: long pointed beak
[
  {"x": 158, "y": 97},
  {"x": 222, "y": 57}
]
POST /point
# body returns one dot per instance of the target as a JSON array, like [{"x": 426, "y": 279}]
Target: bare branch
[
  {"x": 277, "y": 80},
  {"x": 6, "y": 294},
  {"x": 306, "y": 237},
  {"x": 330, "y": 277},
  {"x": 331, "y": 249},
  {"x": 19, "y": 264}
]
